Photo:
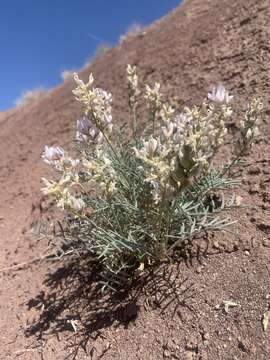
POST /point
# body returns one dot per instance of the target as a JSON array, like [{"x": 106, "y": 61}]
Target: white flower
[
  {"x": 220, "y": 94},
  {"x": 148, "y": 150},
  {"x": 111, "y": 187},
  {"x": 153, "y": 96},
  {"x": 82, "y": 88},
  {"x": 52, "y": 155},
  {"x": 49, "y": 186},
  {"x": 168, "y": 130},
  {"x": 166, "y": 113},
  {"x": 249, "y": 134},
  {"x": 182, "y": 119},
  {"x": 106, "y": 95},
  {"x": 156, "y": 193},
  {"x": 183, "y": 123},
  {"x": 151, "y": 146},
  {"x": 97, "y": 104},
  {"x": 132, "y": 80},
  {"x": 108, "y": 118},
  {"x": 71, "y": 163},
  {"x": 76, "y": 203}
]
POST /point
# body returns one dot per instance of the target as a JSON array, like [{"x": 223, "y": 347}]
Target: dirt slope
[{"x": 201, "y": 43}]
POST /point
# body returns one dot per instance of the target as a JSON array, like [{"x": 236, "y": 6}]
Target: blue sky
[{"x": 41, "y": 38}]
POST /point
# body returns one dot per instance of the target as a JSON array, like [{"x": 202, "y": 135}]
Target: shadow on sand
[{"x": 74, "y": 301}]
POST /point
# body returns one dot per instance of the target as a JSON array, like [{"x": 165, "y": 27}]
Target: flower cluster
[
  {"x": 62, "y": 190},
  {"x": 53, "y": 156},
  {"x": 153, "y": 96},
  {"x": 185, "y": 145},
  {"x": 94, "y": 129},
  {"x": 94, "y": 167},
  {"x": 132, "y": 80},
  {"x": 57, "y": 157},
  {"x": 153, "y": 99},
  {"x": 157, "y": 168},
  {"x": 249, "y": 127},
  {"x": 98, "y": 171},
  {"x": 180, "y": 151},
  {"x": 96, "y": 102}
]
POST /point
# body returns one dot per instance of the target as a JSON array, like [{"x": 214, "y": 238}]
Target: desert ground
[{"x": 179, "y": 312}]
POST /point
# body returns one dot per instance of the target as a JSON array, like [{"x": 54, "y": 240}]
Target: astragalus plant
[{"x": 130, "y": 204}]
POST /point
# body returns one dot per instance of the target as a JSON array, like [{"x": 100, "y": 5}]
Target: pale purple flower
[
  {"x": 220, "y": 94},
  {"x": 83, "y": 126},
  {"x": 84, "y": 129},
  {"x": 52, "y": 155},
  {"x": 80, "y": 137}
]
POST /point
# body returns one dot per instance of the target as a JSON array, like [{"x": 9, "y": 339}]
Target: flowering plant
[{"x": 132, "y": 204}]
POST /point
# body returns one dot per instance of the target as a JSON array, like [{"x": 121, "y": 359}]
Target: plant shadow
[{"x": 74, "y": 302}]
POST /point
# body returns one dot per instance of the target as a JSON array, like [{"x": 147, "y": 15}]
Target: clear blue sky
[{"x": 41, "y": 38}]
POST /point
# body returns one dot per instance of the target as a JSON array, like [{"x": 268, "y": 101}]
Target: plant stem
[
  {"x": 153, "y": 116},
  {"x": 234, "y": 161},
  {"x": 108, "y": 142},
  {"x": 163, "y": 224},
  {"x": 134, "y": 121}
]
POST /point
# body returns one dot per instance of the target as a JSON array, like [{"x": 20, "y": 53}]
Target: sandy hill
[{"x": 201, "y": 43}]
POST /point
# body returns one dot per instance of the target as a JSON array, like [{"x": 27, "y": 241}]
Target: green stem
[
  {"x": 108, "y": 142},
  {"x": 163, "y": 221},
  {"x": 234, "y": 161},
  {"x": 134, "y": 121},
  {"x": 153, "y": 116}
]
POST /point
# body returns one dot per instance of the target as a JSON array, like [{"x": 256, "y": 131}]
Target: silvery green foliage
[{"x": 131, "y": 205}]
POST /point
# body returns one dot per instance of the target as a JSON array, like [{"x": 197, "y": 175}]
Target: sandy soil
[{"x": 179, "y": 312}]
